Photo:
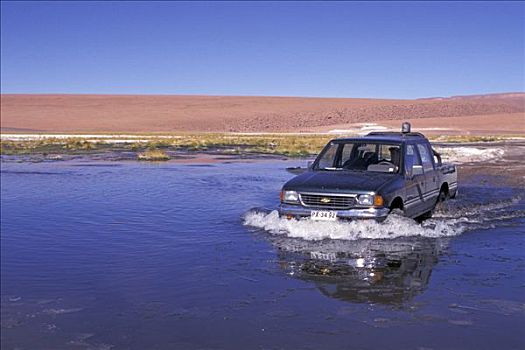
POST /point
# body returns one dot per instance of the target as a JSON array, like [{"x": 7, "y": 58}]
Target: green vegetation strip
[
  {"x": 154, "y": 147},
  {"x": 289, "y": 145}
]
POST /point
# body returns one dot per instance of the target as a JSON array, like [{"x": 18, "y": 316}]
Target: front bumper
[{"x": 298, "y": 212}]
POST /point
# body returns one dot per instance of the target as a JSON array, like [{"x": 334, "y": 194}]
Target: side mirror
[
  {"x": 298, "y": 170},
  {"x": 437, "y": 158},
  {"x": 417, "y": 170}
]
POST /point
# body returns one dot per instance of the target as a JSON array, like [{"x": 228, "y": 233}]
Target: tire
[
  {"x": 425, "y": 216},
  {"x": 441, "y": 197}
]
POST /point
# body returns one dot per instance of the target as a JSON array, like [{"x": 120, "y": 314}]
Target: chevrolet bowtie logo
[{"x": 325, "y": 200}]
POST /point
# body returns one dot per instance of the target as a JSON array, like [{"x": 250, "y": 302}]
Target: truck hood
[{"x": 339, "y": 181}]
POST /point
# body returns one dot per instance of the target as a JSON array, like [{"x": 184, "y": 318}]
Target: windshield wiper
[{"x": 330, "y": 169}]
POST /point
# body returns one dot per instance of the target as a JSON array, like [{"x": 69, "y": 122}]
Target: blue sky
[{"x": 339, "y": 49}]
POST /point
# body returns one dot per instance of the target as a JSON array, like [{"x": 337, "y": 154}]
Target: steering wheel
[{"x": 385, "y": 162}]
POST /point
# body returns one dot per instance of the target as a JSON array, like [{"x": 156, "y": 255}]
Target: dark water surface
[{"x": 118, "y": 255}]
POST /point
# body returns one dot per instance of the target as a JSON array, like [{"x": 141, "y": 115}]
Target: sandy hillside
[{"x": 146, "y": 113}]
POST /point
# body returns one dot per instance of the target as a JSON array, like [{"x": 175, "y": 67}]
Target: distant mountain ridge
[{"x": 520, "y": 95}]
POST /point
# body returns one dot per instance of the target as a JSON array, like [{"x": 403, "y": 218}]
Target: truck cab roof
[{"x": 386, "y": 136}]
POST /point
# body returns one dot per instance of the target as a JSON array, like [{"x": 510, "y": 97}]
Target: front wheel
[{"x": 425, "y": 216}]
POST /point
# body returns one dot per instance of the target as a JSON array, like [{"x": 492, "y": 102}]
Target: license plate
[{"x": 323, "y": 215}]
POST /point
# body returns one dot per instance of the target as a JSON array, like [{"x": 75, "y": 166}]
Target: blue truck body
[{"x": 368, "y": 177}]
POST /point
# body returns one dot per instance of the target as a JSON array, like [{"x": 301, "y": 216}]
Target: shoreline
[
  {"x": 487, "y": 159},
  {"x": 282, "y": 144}
]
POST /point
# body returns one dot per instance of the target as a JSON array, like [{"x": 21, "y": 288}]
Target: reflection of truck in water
[
  {"x": 367, "y": 177},
  {"x": 370, "y": 271}
]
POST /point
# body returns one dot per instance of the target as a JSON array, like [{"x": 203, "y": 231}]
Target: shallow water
[{"x": 127, "y": 255}]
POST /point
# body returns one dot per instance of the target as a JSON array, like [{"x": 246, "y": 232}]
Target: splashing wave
[{"x": 449, "y": 220}]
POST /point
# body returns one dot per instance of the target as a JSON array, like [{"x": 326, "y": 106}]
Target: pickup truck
[{"x": 368, "y": 177}]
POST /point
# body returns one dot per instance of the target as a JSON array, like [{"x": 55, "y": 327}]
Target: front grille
[{"x": 327, "y": 201}]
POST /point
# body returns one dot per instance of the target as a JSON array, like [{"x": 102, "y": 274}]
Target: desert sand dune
[{"x": 170, "y": 113}]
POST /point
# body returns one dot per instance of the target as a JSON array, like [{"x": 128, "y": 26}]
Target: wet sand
[{"x": 505, "y": 170}]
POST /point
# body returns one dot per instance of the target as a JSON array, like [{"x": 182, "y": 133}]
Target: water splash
[
  {"x": 450, "y": 219},
  {"x": 393, "y": 227},
  {"x": 470, "y": 154}
]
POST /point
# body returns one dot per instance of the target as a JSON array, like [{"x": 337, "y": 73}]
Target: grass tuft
[{"x": 153, "y": 155}]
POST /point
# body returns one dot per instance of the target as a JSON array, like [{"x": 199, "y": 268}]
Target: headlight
[
  {"x": 368, "y": 199},
  {"x": 365, "y": 199},
  {"x": 290, "y": 197}
]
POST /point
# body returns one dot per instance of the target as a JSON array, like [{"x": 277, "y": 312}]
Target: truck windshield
[{"x": 360, "y": 156}]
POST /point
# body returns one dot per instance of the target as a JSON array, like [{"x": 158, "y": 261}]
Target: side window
[
  {"x": 425, "y": 157},
  {"x": 411, "y": 158}
]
